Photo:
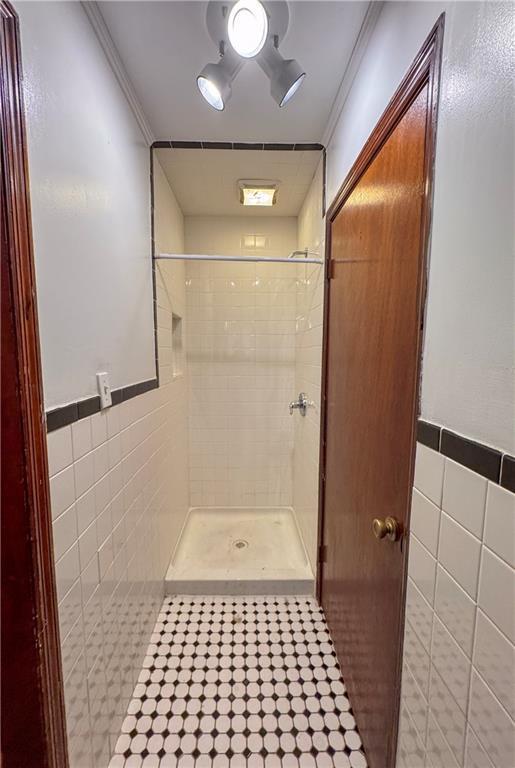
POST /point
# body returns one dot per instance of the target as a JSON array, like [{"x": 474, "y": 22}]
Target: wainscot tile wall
[
  {"x": 241, "y": 362},
  {"x": 459, "y": 656},
  {"x": 110, "y": 484},
  {"x": 119, "y": 493},
  {"x": 308, "y": 362}
]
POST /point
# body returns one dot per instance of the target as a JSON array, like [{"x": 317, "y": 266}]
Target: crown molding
[
  {"x": 92, "y": 11},
  {"x": 373, "y": 12}
]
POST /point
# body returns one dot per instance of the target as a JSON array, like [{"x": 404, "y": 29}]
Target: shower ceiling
[
  {"x": 164, "y": 45},
  {"x": 205, "y": 181}
]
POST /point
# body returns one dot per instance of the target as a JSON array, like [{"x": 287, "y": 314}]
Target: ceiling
[
  {"x": 164, "y": 45},
  {"x": 205, "y": 181}
]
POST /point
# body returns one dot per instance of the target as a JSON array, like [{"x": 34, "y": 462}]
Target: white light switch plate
[{"x": 104, "y": 390}]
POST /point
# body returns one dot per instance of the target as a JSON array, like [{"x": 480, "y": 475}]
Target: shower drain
[{"x": 240, "y": 544}]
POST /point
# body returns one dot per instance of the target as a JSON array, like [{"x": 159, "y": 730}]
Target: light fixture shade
[
  {"x": 257, "y": 193},
  {"x": 286, "y": 81},
  {"x": 285, "y": 75},
  {"x": 247, "y": 27},
  {"x": 214, "y": 82},
  {"x": 214, "y": 86}
]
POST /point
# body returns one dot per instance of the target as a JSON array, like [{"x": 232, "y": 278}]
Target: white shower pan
[{"x": 240, "y": 551}]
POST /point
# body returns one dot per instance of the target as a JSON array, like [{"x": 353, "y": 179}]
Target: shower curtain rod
[{"x": 209, "y": 257}]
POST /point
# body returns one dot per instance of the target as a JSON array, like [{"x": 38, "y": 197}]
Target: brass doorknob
[{"x": 389, "y": 528}]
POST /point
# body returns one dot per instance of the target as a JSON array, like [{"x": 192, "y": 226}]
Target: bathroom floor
[
  {"x": 240, "y": 551},
  {"x": 239, "y": 682}
]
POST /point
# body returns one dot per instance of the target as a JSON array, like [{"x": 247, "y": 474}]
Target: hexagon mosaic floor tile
[{"x": 230, "y": 682}]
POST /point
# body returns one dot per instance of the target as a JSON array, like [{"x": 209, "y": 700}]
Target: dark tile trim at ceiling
[
  {"x": 242, "y": 145},
  {"x": 61, "y": 417},
  {"x": 153, "y": 257},
  {"x": 495, "y": 465}
]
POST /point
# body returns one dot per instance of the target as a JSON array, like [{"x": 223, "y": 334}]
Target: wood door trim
[
  {"x": 424, "y": 71},
  {"x": 31, "y": 651}
]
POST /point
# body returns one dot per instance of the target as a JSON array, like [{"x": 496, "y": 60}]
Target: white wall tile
[
  {"x": 417, "y": 659},
  {"x": 429, "y": 470},
  {"x": 456, "y": 609},
  {"x": 500, "y": 523},
  {"x": 70, "y": 607},
  {"x": 439, "y": 753},
  {"x": 420, "y": 614},
  {"x": 62, "y": 491},
  {"x": 492, "y": 724},
  {"x": 452, "y": 664},
  {"x": 64, "y": 529},
  {"x": 415, "y": 701},
  {"x": 448, "y": 714},
  {"x": 425, "y": 521},
  {"x": 81, "y": 438},
  {"x": 497, "y": 592},
  {"x": 85, "y": 506},
  {"x": 67, "y": 571},
  {"x": 464, "y": 494},
  {"x": 459, "y": 553},
  {"x": 422, "y": 569},
  {"x": 87, "y": 545},
  {"x": 60, "y": 454},
  {"x": 242, "y": 372},
  {"x": 84, "y": 471},
  {"x": 469, "y": 725},
  {"x": 98, "y": 428},
  {"x": 411, "y": 751},
  {"x": 475, "y": 755},
  {"x": 494, "y": 658}
]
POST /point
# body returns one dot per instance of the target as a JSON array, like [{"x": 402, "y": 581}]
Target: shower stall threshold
[{"x": 240, "y": 551}]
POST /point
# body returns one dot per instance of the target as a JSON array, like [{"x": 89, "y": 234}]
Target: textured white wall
[
  {"x": 90, "y": 194},
  {"x": 468, "y": 373}
]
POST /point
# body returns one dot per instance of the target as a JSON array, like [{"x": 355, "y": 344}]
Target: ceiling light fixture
[
  {"x": 258, "y": 193},
  {"x": 254, "y": 29},
  {"x": 214, "y": 82},
  {"x": 285, "y": 75},
  {"x": 247, "y": 27}
]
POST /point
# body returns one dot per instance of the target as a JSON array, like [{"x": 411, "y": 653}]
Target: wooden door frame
[
  {"x": 424, "y": 71},
  {"x": 33, "y": 717}
]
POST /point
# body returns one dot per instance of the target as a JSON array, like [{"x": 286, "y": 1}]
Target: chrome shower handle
[{"x": 302, "y": 404}]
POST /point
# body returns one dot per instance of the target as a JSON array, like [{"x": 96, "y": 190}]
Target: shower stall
[{"x": 239, "y": 319}]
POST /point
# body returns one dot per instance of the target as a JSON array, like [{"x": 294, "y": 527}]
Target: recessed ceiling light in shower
[{"x": 256, "y": 193}]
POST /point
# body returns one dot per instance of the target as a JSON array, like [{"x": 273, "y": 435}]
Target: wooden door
[
  {"x": 377, "y": 233},
  {"x": 33, "y": 727}
]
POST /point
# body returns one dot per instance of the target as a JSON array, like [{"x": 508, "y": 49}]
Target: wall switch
[{"x": 104, "y": 390}]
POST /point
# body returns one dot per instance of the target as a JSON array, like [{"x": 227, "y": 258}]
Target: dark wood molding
[
  {"x": 33, "y": 717},
  {"x": 424, "y": 71}
]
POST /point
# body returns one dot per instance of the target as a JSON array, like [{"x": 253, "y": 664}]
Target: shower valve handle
[{"x": 302, "y": 404}]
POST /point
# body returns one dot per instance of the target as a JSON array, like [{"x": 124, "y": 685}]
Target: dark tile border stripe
[
  {"x": 238, "y": 145},
  {"x": 61, "y": 417},
  {"x": 495, "y": 465},
  {"x": 480, "y": 458},
  {"x": 428, "y": 434},
  {"x": 508, "y": 472}
]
